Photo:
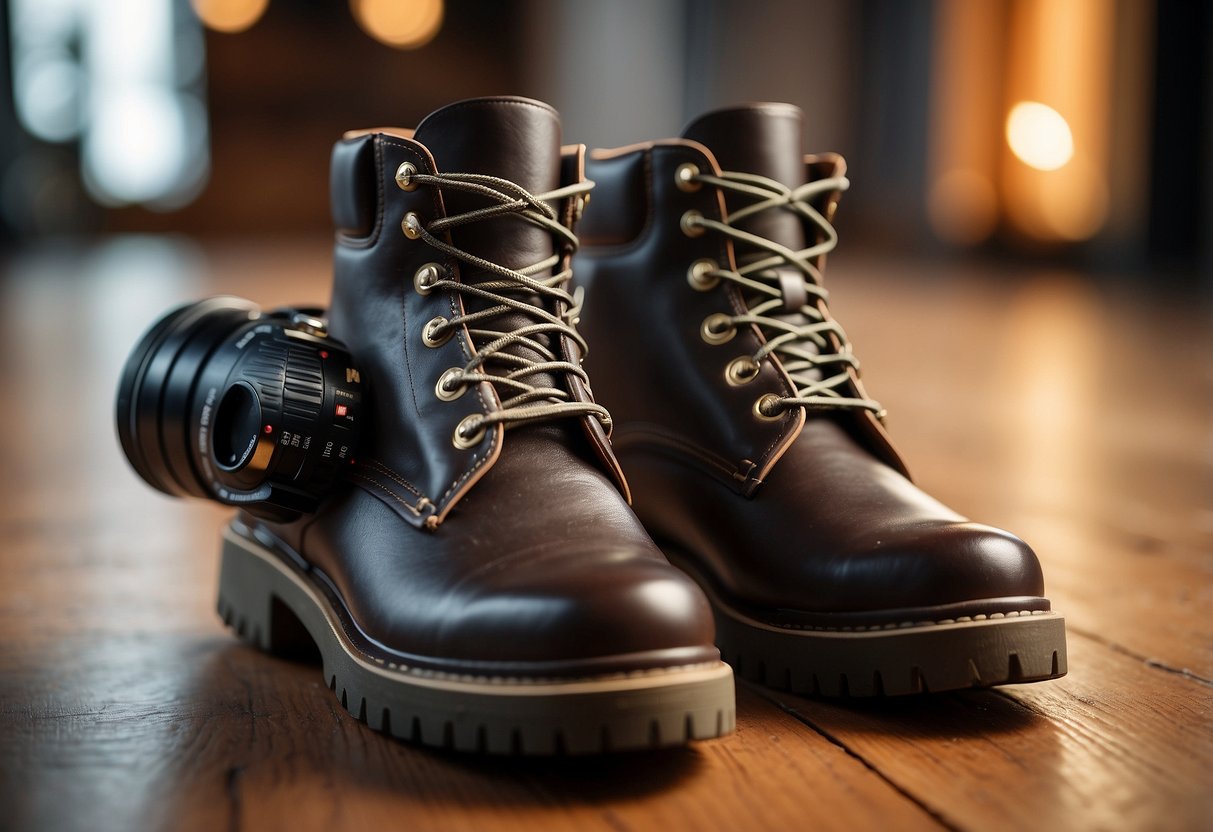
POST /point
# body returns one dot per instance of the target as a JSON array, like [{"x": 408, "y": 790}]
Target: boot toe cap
[
  {"x": 594, "y": 610},
  {"x": 935, "y": 564}
]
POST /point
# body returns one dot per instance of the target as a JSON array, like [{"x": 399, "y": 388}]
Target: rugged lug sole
[
  {"x": 893, "y": 660},
  {"x": 624, "y": 712}
]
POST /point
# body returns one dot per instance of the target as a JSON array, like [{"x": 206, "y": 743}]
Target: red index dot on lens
[
  {"x": 324, "y": 354},
  {"x": 269, "y": 428}
]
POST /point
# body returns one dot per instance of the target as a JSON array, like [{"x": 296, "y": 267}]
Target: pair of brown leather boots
[{"x": 482, "y": 582}]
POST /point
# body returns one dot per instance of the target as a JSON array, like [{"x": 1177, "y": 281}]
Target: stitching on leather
[
  {"x": 535, "y": 680},
  {"x": 477, "y": 457},
  {"x": 403, "y": 293},
  {"x": 392, "y": 475},
  {"x": 458, "y": 482},
  {"x": 359, "y": 476},
  {"x": 909, "y": 625}
]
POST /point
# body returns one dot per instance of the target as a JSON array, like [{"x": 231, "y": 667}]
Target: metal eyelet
[
  {"x": 684, "y": 177},
  {"x": 741, "y": 370},
  {"x": 700, "y": 279},
  {"x": 427, "y": 333},
  {"x": 689, "y": 224},
  {"x": 411, "y": 225},
  {"x": 717, "y": 328},
  {"x": 404, "y": 176},
  {"x": 764, "y": 402},
  {"x": 425, "y": 278},
  {"x": 469, "y": 432},
  {"x": 449, "y": 386}
]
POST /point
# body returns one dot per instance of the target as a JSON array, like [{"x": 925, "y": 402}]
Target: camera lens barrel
[{"x": 219, "y": 400}]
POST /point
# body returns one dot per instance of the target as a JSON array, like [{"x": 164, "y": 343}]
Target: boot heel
[{"x": 250, "y": 607}]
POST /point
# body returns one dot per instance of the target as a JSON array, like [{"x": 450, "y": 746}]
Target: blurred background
[{"x": 1065, "y": 131}]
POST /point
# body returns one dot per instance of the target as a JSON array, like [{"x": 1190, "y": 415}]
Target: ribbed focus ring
[{"x": 303, "y": 391}]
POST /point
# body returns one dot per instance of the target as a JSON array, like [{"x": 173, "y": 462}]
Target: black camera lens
[
  {"x": 219, "y": 400},
  {"x": 237, "y": 427}
]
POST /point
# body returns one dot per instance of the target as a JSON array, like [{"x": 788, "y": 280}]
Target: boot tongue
[
  {"x": 512, "y": 138},
  {"x": 761, "y": 139}
]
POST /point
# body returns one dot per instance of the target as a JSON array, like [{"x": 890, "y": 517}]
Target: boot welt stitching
[{"x": 902, "y": 625}]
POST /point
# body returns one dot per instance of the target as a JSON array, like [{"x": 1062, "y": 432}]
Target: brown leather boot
[
  {"x": 757, "y": 461},
  {"x": 483, "y": 584}
]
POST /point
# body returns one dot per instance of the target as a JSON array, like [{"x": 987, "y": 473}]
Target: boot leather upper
[
  {"x": 518, "y": 556},
  {"x": 808, "y": 518}
]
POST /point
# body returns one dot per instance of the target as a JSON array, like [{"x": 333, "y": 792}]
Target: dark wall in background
[{"x": 280, "y": 93}]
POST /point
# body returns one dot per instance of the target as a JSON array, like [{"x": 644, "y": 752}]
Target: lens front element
[{"x": 237, "y": 427}]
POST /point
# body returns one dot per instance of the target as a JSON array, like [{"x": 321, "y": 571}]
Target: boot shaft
[
  {"x": 422, "y": 458},
  {"x": 682, "y": 378}
]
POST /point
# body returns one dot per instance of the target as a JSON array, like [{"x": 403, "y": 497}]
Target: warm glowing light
[
  {"x": 404, "y": 24},
  {"x": 1039, "y": 136},
  {"x": 229, "y": 15}
]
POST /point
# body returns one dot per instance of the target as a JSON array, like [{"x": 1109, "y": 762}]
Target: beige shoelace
[
  {"x": 790, "y": 340},
  {"x": 514, "y": 290}
]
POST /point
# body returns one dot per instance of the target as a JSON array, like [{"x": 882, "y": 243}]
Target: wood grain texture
[
  {"x": 1075, "y": 415},
  {"x": 1116, "y": 743}
]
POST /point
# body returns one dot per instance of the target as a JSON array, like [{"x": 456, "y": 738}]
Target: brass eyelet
[
  {"x": 469, "y": 432},
  {"x": 411, "y": 225},
  {"x": 449, "y": 386},
  {"x": 700, "y": 279},
  {"x": 689, "y": 224},
  {"x": 684, "y": 177},
  {"x": 427, "y": 332},
  {"x": 741, "y": 370},
  {"x": 764, "y": 402},
  {"x": 425, "y": 278},
  {"x": 404, "y": 176},
  {"x": 717, "y": 328}
]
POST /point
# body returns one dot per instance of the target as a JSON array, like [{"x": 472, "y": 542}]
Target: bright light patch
[
  {"x": 404, "y": 24},
  {"x": 229, "y": 16},
  {"x": 47, "y": 94},
  {"x": 1039, "y": 136}
]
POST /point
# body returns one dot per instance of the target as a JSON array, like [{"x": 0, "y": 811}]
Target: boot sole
[
  {"x": 889, "y": 660},
  {"x": 621, "y": 712}
]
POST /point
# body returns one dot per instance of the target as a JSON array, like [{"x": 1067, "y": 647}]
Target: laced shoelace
[
  {"x": 513, "y": 290},
  {"x": 815, "y": 342}
]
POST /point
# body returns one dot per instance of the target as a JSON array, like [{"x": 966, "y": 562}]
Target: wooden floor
[{"x": 1074, "y": 413}]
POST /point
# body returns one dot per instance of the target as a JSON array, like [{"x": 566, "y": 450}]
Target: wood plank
[
  {"x": 1076, "y": 415},
  {"x": 125, "y": 705},
  {"x": 157, "y": 731},
  {"x": 1116, "y": 744}
]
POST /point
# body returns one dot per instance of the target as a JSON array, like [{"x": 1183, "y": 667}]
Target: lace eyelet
[
  {"x": 684, "y": 177},
  {"x": 741, "y": 370},
  {"x": 698, "y": 277},
  {"x": 404, "y": 176},
  {"x": 449, "y": 387},
  {"x": 469, "y": 432},
  {"x": 411, "y": 225},
  {"x": 689, "y": 224},
  {"x": 717, "y": 328},
  {"x": 426, "y": 277},
  {"x": 764, "y": 402},
  {"x": 427, "y": 333}
]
